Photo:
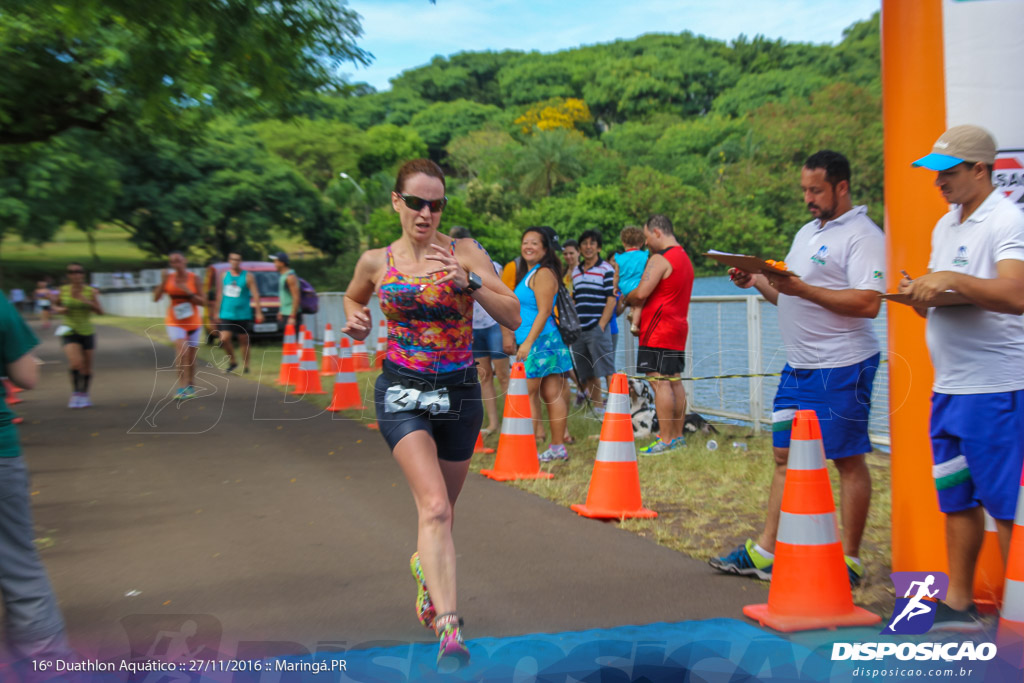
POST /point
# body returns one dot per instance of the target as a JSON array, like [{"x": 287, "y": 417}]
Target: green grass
[
  {"x": 707, "y": 501},
  {"x": 24, "y": 263}
]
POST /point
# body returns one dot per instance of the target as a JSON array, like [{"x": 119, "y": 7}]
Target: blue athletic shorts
[
  {"x": 841, "y": 397},
  {"x": 978, "y": 451},
  {"x": 487, "y": 342}
]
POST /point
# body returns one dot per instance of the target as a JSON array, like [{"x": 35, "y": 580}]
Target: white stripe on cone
[
  {"x": 616, "y": 451},
  {"x": 517, "y": 426},
  {"x": 806, "y": 455},
  {"x": 801, "y": 529}
]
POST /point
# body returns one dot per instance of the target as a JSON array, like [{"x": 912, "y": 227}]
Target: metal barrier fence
[{"x": 729, "y": 335}]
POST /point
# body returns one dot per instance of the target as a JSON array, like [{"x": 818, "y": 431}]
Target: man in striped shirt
[{"x": 593, "y": 291}]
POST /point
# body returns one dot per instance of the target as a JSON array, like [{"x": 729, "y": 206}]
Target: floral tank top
[{"x": 429, "y": 326}]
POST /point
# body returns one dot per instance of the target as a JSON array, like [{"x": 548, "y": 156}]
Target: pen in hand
[{"x": 906, "y": 275}]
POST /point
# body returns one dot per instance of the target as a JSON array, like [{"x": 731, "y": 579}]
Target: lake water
[{"x": 719, "y": 340}]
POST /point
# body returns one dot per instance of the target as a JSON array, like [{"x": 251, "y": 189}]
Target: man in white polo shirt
[
  {"x": 977, "y": 421},
  {"x": 831, "y": 351}
]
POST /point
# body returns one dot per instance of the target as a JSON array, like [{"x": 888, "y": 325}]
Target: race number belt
[{"x": 398, "y": 399}]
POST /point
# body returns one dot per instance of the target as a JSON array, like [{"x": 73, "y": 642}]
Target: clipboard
[
  {"x": 750, "y": 264},
  {"x": 940, "y": 299}
]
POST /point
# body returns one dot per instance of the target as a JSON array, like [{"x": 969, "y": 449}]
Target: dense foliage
[{"x": 201, "y": 126}]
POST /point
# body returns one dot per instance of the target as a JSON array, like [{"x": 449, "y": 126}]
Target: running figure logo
[{"x": 914, "y": 613}]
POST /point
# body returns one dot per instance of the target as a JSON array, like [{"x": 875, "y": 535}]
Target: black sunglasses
[
  {"x": 416, "y": 203},
  {"x": 75, "y": 270}
]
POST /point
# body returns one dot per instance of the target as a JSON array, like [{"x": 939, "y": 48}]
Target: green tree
[
  {"x": 387, "y": 146},
  {"x": 548, "y": 159},
  {"x": 754, "y": 90},
  {"x": 226, "y": 194},
  {"x": 599, "y": 207},
  {"x": 442, "y": 121},
  {"x": 318, "y": 150},
  {"x": 90, "y": 63},
  {"x": 486, "y": 154}
]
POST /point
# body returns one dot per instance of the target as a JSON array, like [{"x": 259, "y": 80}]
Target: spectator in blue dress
[{"x": 541, "y": 349}]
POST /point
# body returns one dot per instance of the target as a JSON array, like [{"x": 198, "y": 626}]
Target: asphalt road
[{"x": 263, "y": 520}]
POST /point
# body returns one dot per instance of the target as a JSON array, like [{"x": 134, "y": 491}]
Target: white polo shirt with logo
[
  {"x": 975, "y": 351},
  {"x": 845, "y": 253}
]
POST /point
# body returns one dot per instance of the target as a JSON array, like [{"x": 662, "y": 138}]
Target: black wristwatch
[{"x": 474, "y": 283}]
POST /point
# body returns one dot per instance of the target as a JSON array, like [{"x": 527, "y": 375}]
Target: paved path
[{"x": 269, "y": 521}]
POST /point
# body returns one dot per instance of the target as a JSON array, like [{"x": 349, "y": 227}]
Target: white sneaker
[
  {"x": 75, "y": 401},
  {"x": 84, "y": 402}
]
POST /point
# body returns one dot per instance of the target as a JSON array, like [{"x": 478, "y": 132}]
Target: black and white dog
[{"x": 645, "y": 418}]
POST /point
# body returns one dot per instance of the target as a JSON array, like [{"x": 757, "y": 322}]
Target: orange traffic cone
[
  {"x": 382, "y": 344},
  {"x": 810, "y": 583},
  {"x": 346, "y": 388},
  {"x": 989, "y": 571},
  {"x": 330, "y": 359},
  {"x": 480, "y": 448},
  {"x": 308, "y": 379},
  {"x": 517, "y": 448},
  {"x": 1010, "y": 638},
  {"x": 289, "y": 356},
  {"x": 360, "y": 357},
  {"x": 615, "y": 481},
  {"x": 12, "y": 392},
  {"x": 7, "y": 399},
  {"x": 381, "y": 349}
]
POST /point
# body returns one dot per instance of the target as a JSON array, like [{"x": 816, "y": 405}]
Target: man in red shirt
[{"x": 663, "y": 298}]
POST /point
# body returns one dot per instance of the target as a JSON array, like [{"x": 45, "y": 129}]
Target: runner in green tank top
[
  {"x": 77, "y": 302},
  {"x": 237, "y": 298}
]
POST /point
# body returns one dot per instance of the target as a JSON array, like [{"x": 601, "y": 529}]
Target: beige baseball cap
[{"x": 960, "y": 144}]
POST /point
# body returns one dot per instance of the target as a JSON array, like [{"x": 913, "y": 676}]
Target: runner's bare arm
[
  {"x": 254, "y": 292},
  {"x": 367, "y": 273},
  {"x": 24, "y": 372},
  {"x": 497, "y": 299}
]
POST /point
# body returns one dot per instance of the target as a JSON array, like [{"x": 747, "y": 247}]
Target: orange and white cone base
[
  {"x": 307, "y": 381},
  {"x": 810, "y": 586},
  {"x": 382, "y": 345},
  {"x": 517, "y": 447},
  {"x": 330, "y": 354},
  {"x": 614, "y": 491},
  {"x": 360, "y": 357},
  {"x": 479, "y": 447},
  {"x": 289, "y": 357},
  {"x": 345, "y": 395},
  {"x": 1010, "y": 638}
]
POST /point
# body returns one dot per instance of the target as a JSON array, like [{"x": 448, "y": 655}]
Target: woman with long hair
[
  {"x": 77, "y": 302},
  {"x": 183, "y": 319},
  {"x": 541, "y": 350},
  {"x": 428, "y": 396}
]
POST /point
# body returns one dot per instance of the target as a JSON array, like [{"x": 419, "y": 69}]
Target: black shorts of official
[
  {"x": 241, "y": 327},
  {"x": 454, "y": 432},
  {"x": 652, "y": 360},
  {"x": 86, "y": 341}
]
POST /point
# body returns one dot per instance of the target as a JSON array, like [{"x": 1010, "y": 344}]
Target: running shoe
[
  {"x": 554, "y": 452},
  {"x": 855, "y": 570},
  {"x": 961, "y": 620},
  {"x": 246, "y": 371},
  {"x": 75, "y": 401},
  {"x": 83, "y": 401},
  {"x": 677, "y": 442},
  {"x": 452, "y": 653},
  {"x": 657, "y": 447},
  {"x": 231, "y": 367},
  {"x": 425, "y": 611},
  {"x": 181, "y": 394},
  {"x": 746, "y": 561},
  {"x": 190, "y": 391}
]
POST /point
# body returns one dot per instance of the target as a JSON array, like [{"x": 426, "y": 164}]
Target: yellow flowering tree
[{"x": 558, "y": 112}]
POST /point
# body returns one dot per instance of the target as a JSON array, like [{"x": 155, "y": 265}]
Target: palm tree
[{"x": 550, "y": 157}]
